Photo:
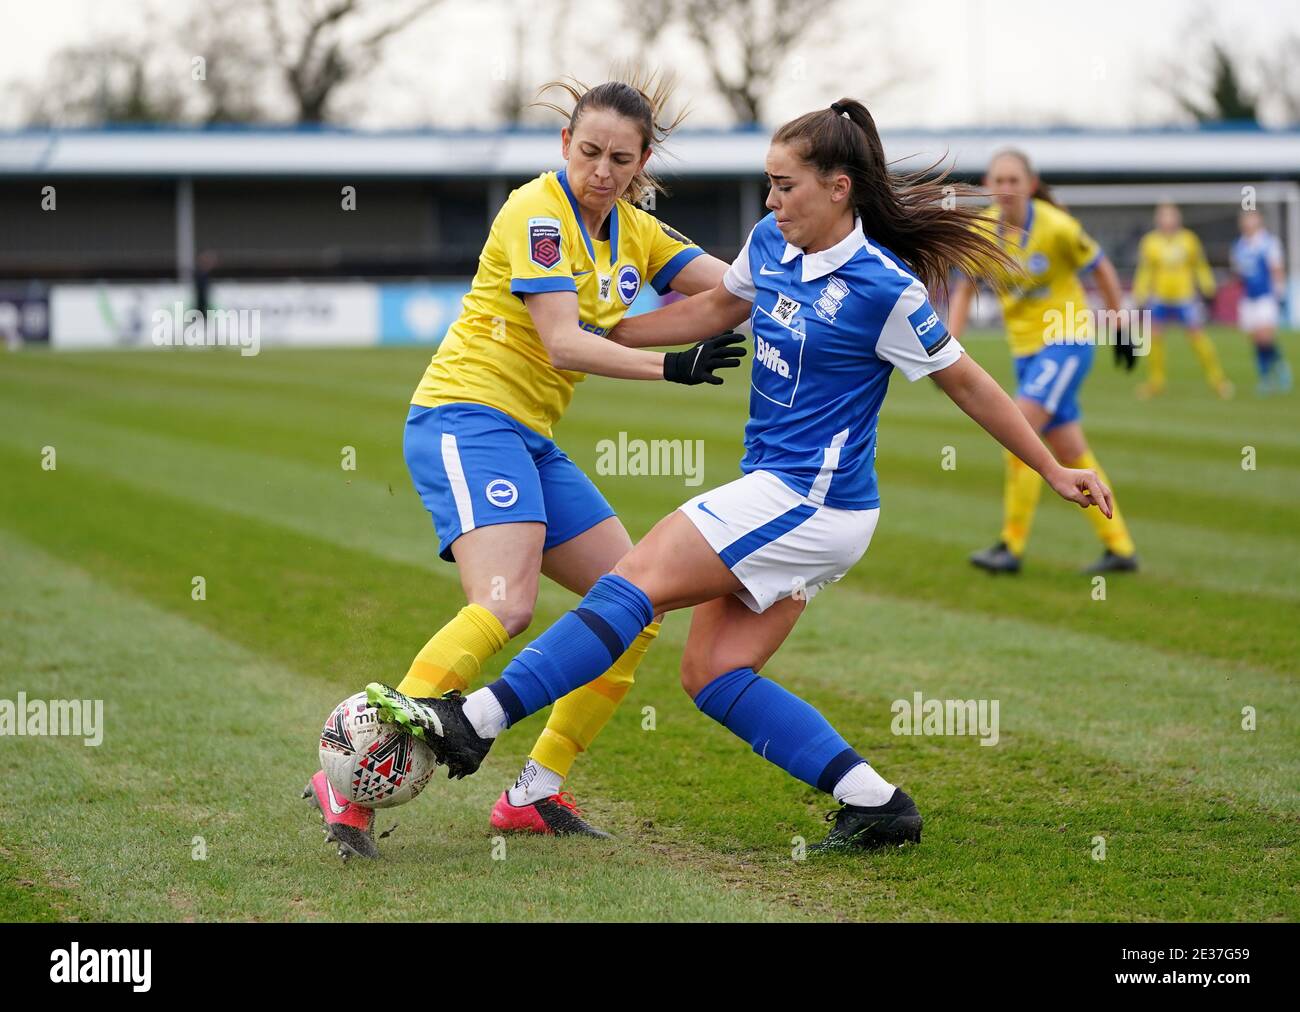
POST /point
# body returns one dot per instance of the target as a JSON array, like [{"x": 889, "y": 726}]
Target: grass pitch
[{"x": 1121, "y": 720}]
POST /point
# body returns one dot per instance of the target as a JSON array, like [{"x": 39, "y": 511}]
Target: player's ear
[
  {"x": 566, "y": 138},
  {"x": 645, "y": 157}
]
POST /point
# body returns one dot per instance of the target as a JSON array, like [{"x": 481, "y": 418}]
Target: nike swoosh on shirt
[
  {"x": 770, "y": 274},
  {"x": 578, "y": 274}
]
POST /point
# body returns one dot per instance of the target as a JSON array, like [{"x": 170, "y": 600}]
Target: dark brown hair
[
  {"x": 916, "y": 215},
  {"x": 640, "y": 96}
]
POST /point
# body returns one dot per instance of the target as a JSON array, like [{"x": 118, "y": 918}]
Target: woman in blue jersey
[
  {"x": 1257, "y": 260},
  {"x": 831, "y": 283}
]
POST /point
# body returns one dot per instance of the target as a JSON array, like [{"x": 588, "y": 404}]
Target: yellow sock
[
  {"x": 1156, "y": 362},
  {"x": 577, "y": 718},
  {"x": 1209, "y": 359},
  {"x": 451, "y": 659},
  {"x": 1113, "y": 532},
  {"x": 1020, "y": 493}
]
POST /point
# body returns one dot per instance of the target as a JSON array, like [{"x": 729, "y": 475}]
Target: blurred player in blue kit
[{"x": 1257, "y": 261}]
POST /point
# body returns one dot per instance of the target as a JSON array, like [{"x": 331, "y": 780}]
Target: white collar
[{"x": 818, "y": 265}]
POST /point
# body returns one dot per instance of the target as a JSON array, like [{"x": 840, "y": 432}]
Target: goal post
[{"x": 1118, "y": 214}]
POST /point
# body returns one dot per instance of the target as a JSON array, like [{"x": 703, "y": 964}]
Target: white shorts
[
  {"x": 1259, "y": 313},
  {"x": 777, "y": 542}
]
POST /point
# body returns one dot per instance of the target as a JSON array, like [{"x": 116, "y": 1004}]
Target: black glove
[
  {"x": 1125, "y": 353},
  {"x": 698, "y": 364}
]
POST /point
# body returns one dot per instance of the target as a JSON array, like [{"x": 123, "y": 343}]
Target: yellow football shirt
[
  {"x": 1046, "y": 299},
  {"x": 493, "y": 354},
  {"x": 1171, "y": 268}
]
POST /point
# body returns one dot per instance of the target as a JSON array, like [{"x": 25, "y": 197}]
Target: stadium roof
[{"x": 229, "y": 151}]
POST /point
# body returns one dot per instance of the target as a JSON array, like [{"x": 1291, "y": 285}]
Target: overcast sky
[{"x": 947, "y": 62}]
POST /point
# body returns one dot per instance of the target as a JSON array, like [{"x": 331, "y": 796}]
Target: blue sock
[
  {"x": 1265, "y": 355},
  {"x": 779, "y": 726},
  {"x": 576, "y": 649}
]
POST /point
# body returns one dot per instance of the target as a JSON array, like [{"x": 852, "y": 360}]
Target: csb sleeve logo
[
  {"x": 544, "y": 242},
  {"x": 928, "y": 328}
]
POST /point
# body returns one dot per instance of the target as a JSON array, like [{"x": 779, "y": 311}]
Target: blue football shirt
[
  {"x": 1253, "y": 260},
  {"x": 829, "y": 328}
]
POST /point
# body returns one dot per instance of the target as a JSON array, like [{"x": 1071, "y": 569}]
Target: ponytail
[{"x": 919, "y": 218}]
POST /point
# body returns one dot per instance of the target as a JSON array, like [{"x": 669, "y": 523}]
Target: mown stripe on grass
[
  {"x": 189, "y": 807},
  {"x": 1173, "y": 552},
  {"x": 1192, "y": 621},
  {"x": 314, "y": 496}
]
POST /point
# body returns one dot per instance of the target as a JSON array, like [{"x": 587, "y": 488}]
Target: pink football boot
[
  {"x": 557, "y": 815},
  {"x": 350, "y": 826}
]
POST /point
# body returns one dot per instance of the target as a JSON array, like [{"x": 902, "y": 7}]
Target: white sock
[
  {"x": 485, "y": 713},
  {"x": 864, "y": 787},
  {"x": 535, "y": 782}
]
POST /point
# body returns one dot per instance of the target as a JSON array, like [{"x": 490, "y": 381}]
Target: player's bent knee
[
  {"x": 514, "y": 617},
  {"x": 697, "y": 672},
  {"x": 637, "y": 568}
]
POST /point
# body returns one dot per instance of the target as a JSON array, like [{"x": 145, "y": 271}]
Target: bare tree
[
  {"x": 234, "y": 86},
  {"x": 252, "y": 51},
  {"x": 104, "y": 82},
  {"x": 645, "y": 20},
  {"x": 326, "y": 43},
  {"x": 762, "y": 35},
  {"x": 519, "y": 77}
]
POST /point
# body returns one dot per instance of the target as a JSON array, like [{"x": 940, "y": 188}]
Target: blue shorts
[
  {"x": 475, "y": 466},
  {"x": 1179, "y": 314},
  {"x": 1052, "y": 377}
]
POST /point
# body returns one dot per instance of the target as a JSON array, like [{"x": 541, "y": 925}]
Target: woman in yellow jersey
[
  {"x": 1051, "y": 332},
  {"x": 1171, "y": 269},
  {"x": 565, "y": 258}
]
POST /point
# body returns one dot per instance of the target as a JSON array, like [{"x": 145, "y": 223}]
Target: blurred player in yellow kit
[
  {"x": 1051, "y": 331},
  {"x": 1171, "y": 270},
  {"x": 565, "y": 259}
]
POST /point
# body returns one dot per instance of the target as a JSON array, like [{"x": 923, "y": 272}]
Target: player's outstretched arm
[
  {"x": 1107, "y": 278},
  {"x": 979, "y": 395},
  {"x": 685, "y": 321},
  {"x": 1112, "y": 295},
  {"x": 555, "y": 314}
]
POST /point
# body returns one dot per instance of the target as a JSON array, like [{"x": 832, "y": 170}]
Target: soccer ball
[{"x": 371, "y": 763}]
